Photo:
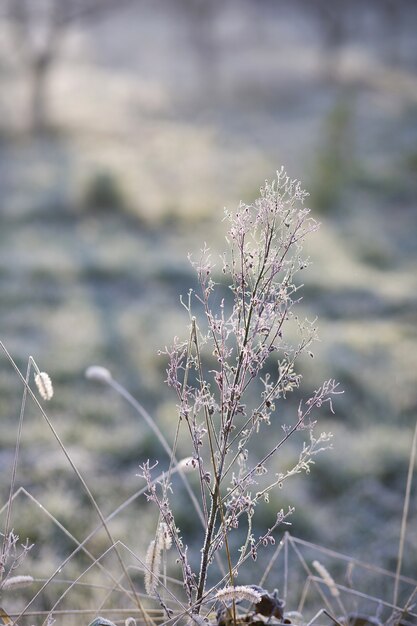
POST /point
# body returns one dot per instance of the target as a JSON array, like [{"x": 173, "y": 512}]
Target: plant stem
[{"x": 206, "y": 547}]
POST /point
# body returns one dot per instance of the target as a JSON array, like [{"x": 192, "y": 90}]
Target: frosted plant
[{"x": 237, "y": 365}]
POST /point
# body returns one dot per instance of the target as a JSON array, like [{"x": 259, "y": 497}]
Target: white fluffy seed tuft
[
  {"x": 241, "y": 592},
  {"x": 152, "y": 563},
  {"x": 98, "y": 373},
  {"x": 327, "y": 579},
  {"x": 44, "y": 385},
  {"x": 16, "y": 582}
]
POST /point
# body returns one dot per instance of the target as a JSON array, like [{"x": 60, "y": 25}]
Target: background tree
[{"x": 36, "y": 30}]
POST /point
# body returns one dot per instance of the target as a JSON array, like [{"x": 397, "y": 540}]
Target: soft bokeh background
[{"x": 125, "y": 128}]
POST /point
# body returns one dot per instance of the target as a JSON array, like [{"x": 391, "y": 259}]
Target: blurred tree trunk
[
  {"x": 391, "y": 11},
  {"x": 38, "y": 26},
  {"x": 332, "y": 23},
  {"x": 40, "y": 67},
  {"x": 200, "y": 17}
]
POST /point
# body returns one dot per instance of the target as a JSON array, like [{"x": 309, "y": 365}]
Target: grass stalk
[{"x": 404, "y": 519}]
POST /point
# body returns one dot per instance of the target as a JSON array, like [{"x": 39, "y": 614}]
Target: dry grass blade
[
  {"x": 405, "y": 515},
  {"x": 15, "y": 461},
  {"x": 374, "y": 569},
  {"x": 273, "y": 559}
]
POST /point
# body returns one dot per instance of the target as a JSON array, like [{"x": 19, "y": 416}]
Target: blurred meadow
[{"x": 126, "y": 127}]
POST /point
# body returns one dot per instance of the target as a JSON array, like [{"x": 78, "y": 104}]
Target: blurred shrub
[
  {"x": 334, "y": 160},
  {"x": 410, "y": 162},
  {"x": 103, "y": 192}
]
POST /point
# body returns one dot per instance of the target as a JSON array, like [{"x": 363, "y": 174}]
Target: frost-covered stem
[
  {"x": 215, "y": 505},
  {"x": 193, "y": 338},
  {"x": 216, "y": 498},
  {"x": 206, "y": 548}
]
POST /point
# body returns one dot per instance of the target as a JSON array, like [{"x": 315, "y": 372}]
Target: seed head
[
  {"x": 327, "y": 579},
  {"x": 98, "y": 373},
  {"x": 16, "y": 582},
  {"x": 241, "y": 592},
  {"x": 44, "y": 385}
]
